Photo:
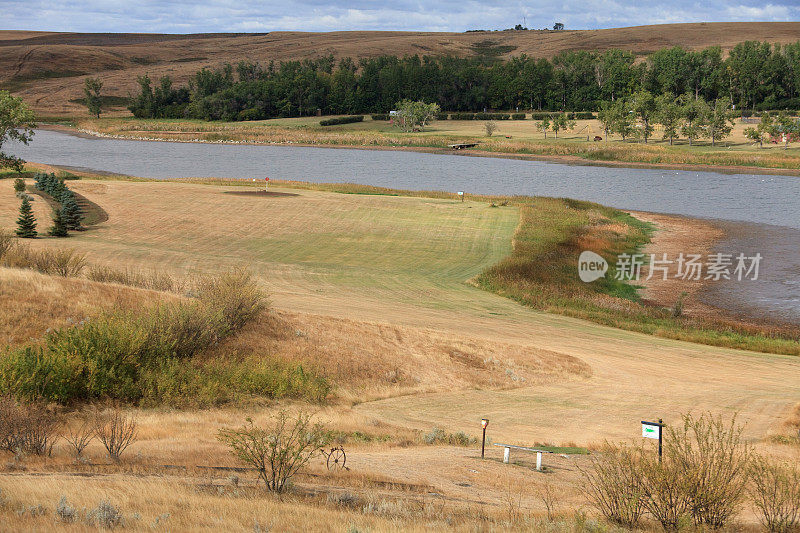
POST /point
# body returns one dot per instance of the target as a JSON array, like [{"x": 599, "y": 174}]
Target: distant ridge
[{"x": 48, "y": 68}]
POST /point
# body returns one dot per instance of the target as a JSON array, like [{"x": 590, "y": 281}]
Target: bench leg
[
  {"x": 539, "y": 461},
  {"x": 506, "y": 455}
]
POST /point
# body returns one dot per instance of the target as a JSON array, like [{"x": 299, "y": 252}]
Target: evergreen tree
[
  {"x": 73, "y": 216},
  {"x": 59, "y": 228},
  {"x": 26, "y": 223}
]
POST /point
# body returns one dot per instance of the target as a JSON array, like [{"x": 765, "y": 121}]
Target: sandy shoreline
[{"x": 561, "y": 159}]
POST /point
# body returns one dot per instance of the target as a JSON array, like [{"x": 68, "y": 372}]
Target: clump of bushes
[
  {"x": 341, "y": 120},
  {"x": 462, "y": 116},
  {"x": 380, "y": 116},
  {"x": 702, "y": 479},
  {"x": 518, "y": 116},
  {"x": 441, "y": 116},
  {"x": 111, "y": 355}
]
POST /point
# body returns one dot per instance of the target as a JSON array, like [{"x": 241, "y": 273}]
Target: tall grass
[{"x": 65, "y": 262}]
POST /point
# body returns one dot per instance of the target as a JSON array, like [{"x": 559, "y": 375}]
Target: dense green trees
[
  {"x": 91, "y": 95},
  {"x": 755, "y": 76}
]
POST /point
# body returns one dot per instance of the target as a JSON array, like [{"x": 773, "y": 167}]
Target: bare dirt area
[{"x": 48, "y": 69}]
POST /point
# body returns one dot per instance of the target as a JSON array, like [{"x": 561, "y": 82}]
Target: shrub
[
  {"x": 30, "y": 427},
  {"x": 775, "y": 491},
  {"x": 19, "y": 185},
  {"x": 665, "y": 493},
  {"x": 105, "y": 515},
  {"x": 65, "y": 512},
  {"x": 490, "y": 127},
  {"x": 235, "y": 294},
  {"x": 79, "y": 437},
  {"x": 441, "y": 116},
  {"x": 518, "y": 116},
  {"x": 62, "y": 262},
  {"x": 614, "y": 486},
  {"x": 279, "y": 452},
  {"x": 714, "y": 459},
  {"x": 582, "y": 115},
  {"x": 542, "y": 115},
  {"x": 116, "y": 431},
  {"x": 462, "y": 116},
  {"x": 381, "y": 116},
  {"x": 341, "y": 120}
]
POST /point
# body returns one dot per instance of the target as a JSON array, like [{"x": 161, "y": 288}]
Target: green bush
[
  {"x": 381, "y": 116},
  {"x": 582, "y": 115},
  {"x": 462, "y": 116},
  {"x": 542, "y": 115},
  {"x": 492, "y": 116},
  {"x": 518, "y": 116},
  {"x": 341, "y": 120},
  {"x": 441, "y": 116}
]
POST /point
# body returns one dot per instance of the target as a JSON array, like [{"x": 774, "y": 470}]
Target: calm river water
[{"x": 768, "y": 205}]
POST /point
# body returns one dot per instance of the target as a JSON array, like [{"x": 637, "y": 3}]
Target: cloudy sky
[{"x": 184, "y": 16}]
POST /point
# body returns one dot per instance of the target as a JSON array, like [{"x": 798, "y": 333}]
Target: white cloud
[{"x": 324, "y": 15}]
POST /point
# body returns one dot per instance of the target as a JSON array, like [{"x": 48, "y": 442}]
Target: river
[{"x": 761, "y": 212}]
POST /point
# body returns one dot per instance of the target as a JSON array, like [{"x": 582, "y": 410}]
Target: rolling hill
[{"x": 47, "y": 69}]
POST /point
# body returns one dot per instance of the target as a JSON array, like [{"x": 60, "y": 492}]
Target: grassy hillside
[{"x": 48, "y": 69}]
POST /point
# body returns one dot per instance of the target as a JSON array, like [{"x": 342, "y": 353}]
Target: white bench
[{"x": 507, "y": 453}]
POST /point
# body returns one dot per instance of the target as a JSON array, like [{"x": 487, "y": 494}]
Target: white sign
[
  {"x": 461, "y": 193},
  {"x": 651, "y": 430}
]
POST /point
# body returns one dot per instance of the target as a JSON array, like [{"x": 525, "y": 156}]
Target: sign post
[
  {"x": 266, "y": 184},
  {"x": 461, "y": 195},
  {"x": 654, "y": 430},
  {"x": 484, "y": 423}
]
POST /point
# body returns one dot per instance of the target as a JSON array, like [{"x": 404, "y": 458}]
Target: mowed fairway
[{"x": 406, "y": 261}]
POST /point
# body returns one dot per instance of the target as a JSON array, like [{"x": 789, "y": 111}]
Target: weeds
[
  {"x": 440, "y": 436},
  {"x": 105, "y": 515},
  {"x": 154, "y": 280},
  {"x": 64, "y": 262},
  {"x": 65, "y": 512}
]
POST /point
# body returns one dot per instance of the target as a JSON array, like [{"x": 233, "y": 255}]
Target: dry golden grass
[
  {"x": 32, "y": 303},
  {"x": 120, "y": 58}
]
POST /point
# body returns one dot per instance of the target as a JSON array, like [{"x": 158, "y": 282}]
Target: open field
[
  {"x": 372, "y": 291},
  {"x": 47, "y": 69},
  {"x": 514, "y": 138}
]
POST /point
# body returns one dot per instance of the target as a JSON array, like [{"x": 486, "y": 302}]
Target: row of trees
[
  {"x": 686, "y": 115},
  {"x": 67, "y": 216},
  {"x": 755, "y": 75}
]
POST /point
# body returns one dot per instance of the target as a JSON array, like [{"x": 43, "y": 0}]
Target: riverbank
[{"x": 734, "y": 157}]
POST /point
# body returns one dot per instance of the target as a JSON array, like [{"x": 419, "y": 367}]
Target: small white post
[
  {"x": 539, "y": 461},
  {"x": 506, "y": 455}
]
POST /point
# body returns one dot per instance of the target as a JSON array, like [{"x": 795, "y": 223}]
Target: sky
[{"x": 185, "y": 16}]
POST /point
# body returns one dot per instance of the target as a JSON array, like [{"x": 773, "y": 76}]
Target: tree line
[{"x": 755, "y": 76}]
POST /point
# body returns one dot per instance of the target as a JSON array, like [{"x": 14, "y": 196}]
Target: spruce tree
[
  {"x": 73, "y": 216},
  {"x": 59, "y": 228},
  {"x": 26, "y": 223}
]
